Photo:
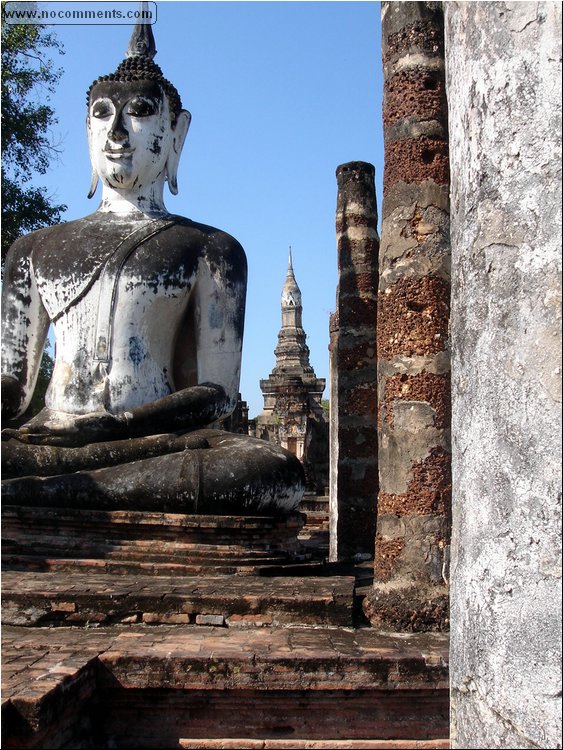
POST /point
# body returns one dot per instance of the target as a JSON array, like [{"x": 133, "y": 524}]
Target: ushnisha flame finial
[{"x": 142, "y": 42}]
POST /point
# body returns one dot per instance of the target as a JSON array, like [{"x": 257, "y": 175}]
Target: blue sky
[{"x": 280, "y": 93}]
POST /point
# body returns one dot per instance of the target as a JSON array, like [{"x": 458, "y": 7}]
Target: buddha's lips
[{"x": 118, "y": 153}]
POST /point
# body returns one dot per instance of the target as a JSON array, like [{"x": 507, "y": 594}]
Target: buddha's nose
[{"x": 118, "y": 132}]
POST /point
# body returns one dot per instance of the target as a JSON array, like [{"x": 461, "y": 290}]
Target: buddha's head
[{"x": 136, "y": 124}]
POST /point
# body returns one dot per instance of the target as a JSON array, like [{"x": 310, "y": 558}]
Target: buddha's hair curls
[{"x": 141, "y": 68}]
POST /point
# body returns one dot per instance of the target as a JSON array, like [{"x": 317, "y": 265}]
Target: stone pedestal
[{"x": 133, "y": 542}]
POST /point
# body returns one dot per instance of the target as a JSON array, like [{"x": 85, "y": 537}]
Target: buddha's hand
[
  {"x": 89, "y": 428},
  {"x": 71, "y": 431}
]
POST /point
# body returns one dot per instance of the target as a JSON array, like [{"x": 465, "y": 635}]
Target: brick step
[
  {"x": 143, "y": 687},
  {"x": 316, "y": 518},
  {"x": 177, "y": 544},
  {"x": 244, "y": 743},
  {"x": 138, "y": 532},
  {"x": 153, "y": 551},
  {"x": 319, "y": 533},
  {"x": 225, "y": 543},
  {"x": 196, "y": 559},
  {"x": 204, "y": 524},
  {"x": 47, "y": 599},
  {"x": 37, "y": 563},
  {"x": 315, "y": 541},
  {"x": 314, "y": 502},
  {"x": 303, "y": 693},
  {"x": 141, "y": 525}
]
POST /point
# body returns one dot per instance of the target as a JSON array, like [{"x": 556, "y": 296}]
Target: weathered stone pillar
[
  {"x": 413, "y": 528},
  {"x": 333, "y": 438},
  {"x": 504, "y": 92},
  {"x": 353, "y": 461}
]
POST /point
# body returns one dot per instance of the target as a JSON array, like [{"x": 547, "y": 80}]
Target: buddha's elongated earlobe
[
  {"x": 93, "y": 183},
  {"x": 180, "y": 131},
  {"x": 94, "y": 178}
]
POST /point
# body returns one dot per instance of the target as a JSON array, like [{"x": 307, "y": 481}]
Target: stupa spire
[
  {"x": 292, "y": 414},
  {"x": 291, "y": 294}
]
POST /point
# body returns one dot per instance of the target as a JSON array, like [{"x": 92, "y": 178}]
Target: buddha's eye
[
  {"x": 101, "y": 109},
  {"x": 141, "y": 107}
]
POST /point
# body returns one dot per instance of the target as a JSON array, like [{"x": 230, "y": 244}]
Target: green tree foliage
[
  {"x": 38, "y": 399},
  {"x": 43, "y": 380},
  {"x": 28, "y": 79}
]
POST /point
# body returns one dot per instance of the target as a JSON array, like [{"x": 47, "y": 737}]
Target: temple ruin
[
  {"x": 154, "y": 629},
  {"x": 293, "y": 415}
]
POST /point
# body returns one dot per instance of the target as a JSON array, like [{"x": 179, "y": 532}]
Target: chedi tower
[{"x": 293, "y": 415}]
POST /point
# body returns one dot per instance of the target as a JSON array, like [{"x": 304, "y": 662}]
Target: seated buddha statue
[{"x": 147, "y": 310}]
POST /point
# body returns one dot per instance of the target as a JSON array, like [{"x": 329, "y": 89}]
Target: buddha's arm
[
  {"x": 189, "y": 408},
  {"x": 219, "y": 299},
  {"x": 220, "y": 296},
  {"x": 196, "y": 406},
  {"x": 25, "y": 324},
  {"x": 218, "y": 312}
]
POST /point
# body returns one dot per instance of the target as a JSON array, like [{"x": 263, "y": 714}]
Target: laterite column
[
  {"x": 413, "y": 528},
  {"x": 353, "y": 441}
]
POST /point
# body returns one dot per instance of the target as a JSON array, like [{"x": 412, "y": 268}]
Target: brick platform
[
  {"x": 246, "y": 744},
  {"x": 161, "y": 687},
  {"x": 314, "y": 536},
  {"x": 32, "y": 599},
  {"x": 133, "y": 542},
  {"x": 129, "y": 658}
]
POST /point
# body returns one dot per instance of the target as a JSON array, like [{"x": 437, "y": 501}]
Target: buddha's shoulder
[
  {"x": 29, "y": 240},
  {"x": 180, "y": 233},
  {"x": 66, "y": 232},
  {"x": 213, "y": 241},
  {"x": 204, "y": 232}
]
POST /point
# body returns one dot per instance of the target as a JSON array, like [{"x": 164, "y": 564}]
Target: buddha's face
[{"x": 129, "y": 133}]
